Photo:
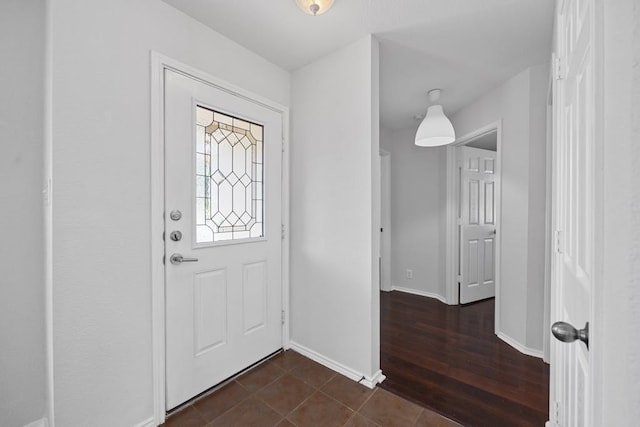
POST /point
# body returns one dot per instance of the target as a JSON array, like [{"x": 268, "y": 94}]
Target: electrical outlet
[{"x": 409, "y": 274}]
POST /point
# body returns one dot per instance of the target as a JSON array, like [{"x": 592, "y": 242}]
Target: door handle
[
  {"x": 565, "y": 332},
  {"x": 179, "y": 259}
]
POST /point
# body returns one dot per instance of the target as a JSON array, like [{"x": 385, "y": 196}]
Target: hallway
[{"x": 448, "y": 358}]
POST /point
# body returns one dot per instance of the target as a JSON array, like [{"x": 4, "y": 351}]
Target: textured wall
[
  {"x": 22, "y": 319},
  {"x": 334, "y": 230},
  {"x": 101, "y": 179}
]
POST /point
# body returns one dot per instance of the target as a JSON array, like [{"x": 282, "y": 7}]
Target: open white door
[
  {"x": 573, "y": 215},
  {"x": 477, "y": 223},
  {"x": 223, "y": 168}
]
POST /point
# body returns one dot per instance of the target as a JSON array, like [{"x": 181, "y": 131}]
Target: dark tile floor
[{"x": 291, "y": 390}]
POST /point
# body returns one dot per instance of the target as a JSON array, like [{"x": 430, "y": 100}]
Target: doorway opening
[
  {"x": 385, "y": 221},
  {"x": 442, "y": 351},
  {"x": 473, "y": 217},
  {"x": 477, "y": 178}
]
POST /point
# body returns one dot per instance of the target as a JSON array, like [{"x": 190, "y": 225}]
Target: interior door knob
[{"x": 565, "y": 332}]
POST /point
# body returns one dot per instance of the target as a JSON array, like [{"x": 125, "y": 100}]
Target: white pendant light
[
  {"x": 314, "y": 7},
  {"x": 436, "y": 129}
]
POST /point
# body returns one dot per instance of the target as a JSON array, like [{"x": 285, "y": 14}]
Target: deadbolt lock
[
  {"x": 176, "y": 236},
  {"x": 175, "y": 215}
]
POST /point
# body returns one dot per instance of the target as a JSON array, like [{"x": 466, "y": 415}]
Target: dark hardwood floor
[{"x": 447, "y": 358}]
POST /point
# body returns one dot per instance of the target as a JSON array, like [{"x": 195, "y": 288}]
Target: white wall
[
  {"x": 386, "y": 138},
  {"x": 520, "y": 103},
  {"x": 334, "y": 190},
  {"x": 101, "y": 205},
  {"x": 617, "y": 293},
  {"x": 22, "y": 320},
  {"x": 385, "y": 213},
  {"x": 633, "y": 283},
  {"x": 538, "y": 82},
  {"x": 418, "y": 214}
]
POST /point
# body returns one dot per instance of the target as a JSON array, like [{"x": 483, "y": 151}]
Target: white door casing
[
  {"x": 223, "y": 312},
  {"x": 477, "y": 223},
  {"x": 573, "y": 212},
  {"x": 385, "y": 220}
]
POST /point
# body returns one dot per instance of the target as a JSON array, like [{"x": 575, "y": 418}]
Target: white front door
[
  {"x": 223, "y": 164},
  {"x": 573, "y": 213},
  {"x": 477, "y": 223}
]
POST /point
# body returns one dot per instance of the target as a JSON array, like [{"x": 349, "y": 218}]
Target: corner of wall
[
  {"x": 42, "y": 422},
  {"x": 333, "y": 274},
  {"x": 538, "y": 90},
  {"x": 22, "y": 291},
  {"x": 522, "y": 236},
  {"x": 376, "y": 205}
]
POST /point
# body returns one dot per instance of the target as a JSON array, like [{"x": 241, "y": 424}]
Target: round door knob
[{"x": 565, "y": 332}]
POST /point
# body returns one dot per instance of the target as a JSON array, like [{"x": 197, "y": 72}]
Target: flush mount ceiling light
[
  {"x": 314, "y": 7},
  {"x": 435, "y": 129}
]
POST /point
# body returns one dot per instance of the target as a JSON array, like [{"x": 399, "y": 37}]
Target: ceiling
[
  {"x": 464, "y": 47},
  {"x": 488, "y": 141}
]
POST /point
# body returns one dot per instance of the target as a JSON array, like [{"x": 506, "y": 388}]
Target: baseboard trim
[
  {"x": 521, "y": 348},
  {"x": 376, "y": 379},
  {"x": 420, "y": 293},
  {"x": 358, "y": 377},
  {"x": 150, "y": 422}
]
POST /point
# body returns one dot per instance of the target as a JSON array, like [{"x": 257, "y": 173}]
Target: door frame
[
  {"x": 385, "y": 203},
  {"x": 451, "y": 277},
  {"x": 160, "y": 63}
]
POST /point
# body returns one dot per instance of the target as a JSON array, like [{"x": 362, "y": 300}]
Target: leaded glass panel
[{"x": 229, "y": 190}]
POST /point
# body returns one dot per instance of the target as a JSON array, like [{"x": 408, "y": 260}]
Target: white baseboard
[
  {"x": 376, "y": 379},
  {"x": 150, "y": 422},
  {"x": 420, "y": 293},
  {"x": 521, "y": 348},
  {"x": 370, "y": 382},
  {"x": 42, "y": 422}
]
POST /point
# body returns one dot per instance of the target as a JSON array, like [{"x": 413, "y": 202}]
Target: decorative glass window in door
[{"x": 229, "y": 190}]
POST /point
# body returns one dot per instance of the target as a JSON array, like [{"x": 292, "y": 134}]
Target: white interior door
[
  {"x": 477, "y": 223},
  {"x": 223, "y": 217},
  {"x": 573, "y": 262}
]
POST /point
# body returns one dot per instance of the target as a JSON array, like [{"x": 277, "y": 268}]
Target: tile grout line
[
  {"x": 337, "y": 401},
  {"x": 254, "y": 394},
  {"x": 296, "y": 407},
  {"x": 420, "y": 412},
  {"x": 353, "y": 412},
  {"x": 299, "y": 405},
  {"x": 375, "y": 390},
  {"x": 281, "y": 372},
  {"x": 315, "y": 390},
  {"x": 228, "y": 410},
  {"x": 367, "y": 400},
  {"x": 318, "y": 389},
  {"x": 226, "y": 383},
  {"x": 285, "y": 372}
]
